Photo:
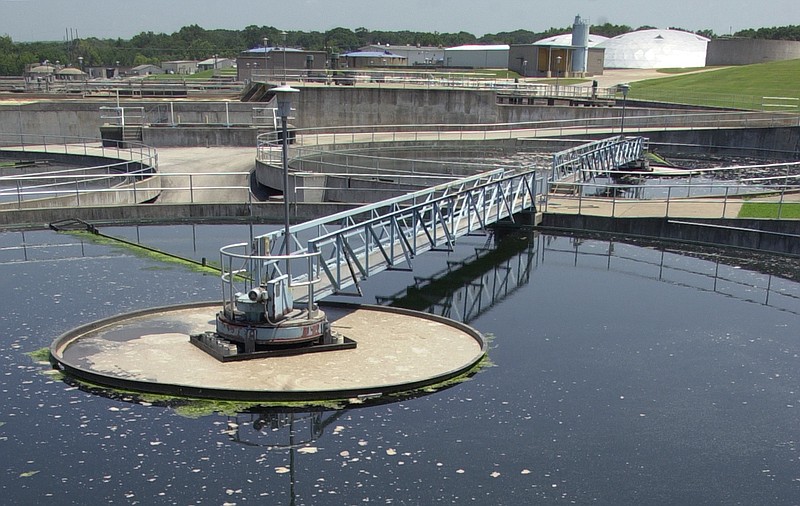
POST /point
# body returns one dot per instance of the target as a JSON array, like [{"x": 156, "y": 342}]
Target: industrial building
[
  {"x": 216, "y": 63},
  {"x": 567, "y": 55},
  {"x": 371, "y": 59},
  {"x": 414, "y": 55},
  {"x": 653, "y": 49},
  {"x": 261, "y": 63},
  {"x": 477, "y": 56},
  {"x": 181, "y": 67}
]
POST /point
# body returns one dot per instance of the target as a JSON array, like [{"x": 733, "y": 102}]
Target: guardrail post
[
  {"x": 77, "y": 194},
  {"x": 725, "y": 202},
  {"x": 613, "y": 201},
  {"x": 191, "y": 189},
  {"x": 19, "y": 196},
  {"x": 669, "y": 193}
]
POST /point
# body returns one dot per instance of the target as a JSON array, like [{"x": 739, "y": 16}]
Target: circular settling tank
[{"x": 149, "y": 351}]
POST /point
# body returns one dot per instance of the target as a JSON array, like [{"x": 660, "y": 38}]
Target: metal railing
[
  {"x": 71, "y": 145},
  {"x": 122, "y": 167},
  {"x": 693, "y": 196},
  {"x": 310, "y": 140},
  {"x": 597, "y": 157},
  {"x": 117, "y": 188}
]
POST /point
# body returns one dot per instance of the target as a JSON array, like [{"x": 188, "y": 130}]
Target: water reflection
[
  {"x": 715, "y": 273},
  {"x": 625, "y": 373},
  {"x": 467, "y": 288}
]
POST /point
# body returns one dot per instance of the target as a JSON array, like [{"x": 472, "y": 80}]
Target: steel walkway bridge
[
  {"x": 596, "y": 158},
  {"x": 334, "y": 254}
]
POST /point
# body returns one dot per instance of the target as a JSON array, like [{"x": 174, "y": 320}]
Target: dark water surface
[{"x": 623, "y": 374}]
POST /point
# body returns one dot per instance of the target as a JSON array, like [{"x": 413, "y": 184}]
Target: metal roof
[
  {"x": 263, "y": 50},
  {"x": 478, "y": 47},
  {"x": 565, "y": 39},
  {"x": 373, "y": 54}
]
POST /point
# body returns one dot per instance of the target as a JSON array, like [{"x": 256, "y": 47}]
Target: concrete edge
[
  {"x": 64, "y": 340},
  {"x": 763, "y": 236}
]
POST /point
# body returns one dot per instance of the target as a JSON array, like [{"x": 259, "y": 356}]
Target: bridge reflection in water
[{"x": 467, "y": 288}]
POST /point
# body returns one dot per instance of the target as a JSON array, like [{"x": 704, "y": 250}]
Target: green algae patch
[
  {"x": 198, "y": 408},
  {"x": 143, "y": 251},
  {"x": 483, "y": 363},
  {"x": 40, "y": 355}
]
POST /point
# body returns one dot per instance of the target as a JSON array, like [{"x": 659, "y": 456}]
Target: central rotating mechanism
[{"x": 260, "y": 319}]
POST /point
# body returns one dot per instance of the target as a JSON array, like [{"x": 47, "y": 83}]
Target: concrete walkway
[{"x": 218, "y": 174}]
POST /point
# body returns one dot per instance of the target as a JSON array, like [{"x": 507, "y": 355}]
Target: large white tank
[{"x": 580, "y": 39}]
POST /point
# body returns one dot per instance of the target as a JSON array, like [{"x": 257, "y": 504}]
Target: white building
[
  {"x": 654, "y": 49},
  {"x": 477, "y": 56}
]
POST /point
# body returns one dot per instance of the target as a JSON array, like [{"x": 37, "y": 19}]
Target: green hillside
[{"x": 740, "y": 87}]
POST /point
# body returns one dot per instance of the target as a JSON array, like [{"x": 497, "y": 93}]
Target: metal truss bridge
[{"x": 332, "y": 255}]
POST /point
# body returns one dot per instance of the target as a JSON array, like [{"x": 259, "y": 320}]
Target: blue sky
[{"x": 26, "y": 20}]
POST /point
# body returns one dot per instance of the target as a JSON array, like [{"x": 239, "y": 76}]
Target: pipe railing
[
  {"x": 268, "y": 143},
  {"x": 718, "y": 199},
  {"x": 117, "y": 188}
]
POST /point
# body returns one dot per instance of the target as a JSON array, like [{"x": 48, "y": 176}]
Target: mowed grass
[
  {"x": 743, "y": 86},
  {"x": 770, "y": 210}
]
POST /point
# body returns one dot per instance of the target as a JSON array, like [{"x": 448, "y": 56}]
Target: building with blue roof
[
  {"x": 272, "y": 63},
  {"x": 368, "y": 59}
]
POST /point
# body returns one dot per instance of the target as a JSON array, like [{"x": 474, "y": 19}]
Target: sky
[{"x": 37, "y": 20}]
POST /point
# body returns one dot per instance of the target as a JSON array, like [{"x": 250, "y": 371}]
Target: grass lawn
[
  {"x": 789, "y": 210},
  {"x": 681, "y": 70},
  {"x": 742, "y": 86}
]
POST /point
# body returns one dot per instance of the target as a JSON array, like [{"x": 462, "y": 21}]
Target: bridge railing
[
  {"x": 356, "y": 244},
  {"x": 597, "y": 157}
]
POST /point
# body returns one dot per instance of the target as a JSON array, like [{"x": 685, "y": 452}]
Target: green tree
[{"x": 341, "y": 40}]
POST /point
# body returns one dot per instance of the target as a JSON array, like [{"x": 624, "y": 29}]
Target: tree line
[{"x": 194, "y": 42}]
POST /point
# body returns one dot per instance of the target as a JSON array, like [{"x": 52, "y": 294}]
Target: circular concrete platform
[{"x": 149, "y": 351}]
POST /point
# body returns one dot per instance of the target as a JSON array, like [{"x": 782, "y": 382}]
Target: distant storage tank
[{"x": 580, "y": 39}]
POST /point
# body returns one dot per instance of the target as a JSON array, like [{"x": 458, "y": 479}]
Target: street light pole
[
  {"x": 284, "y": 59},
  {"x": 624, "y": 88},
  {"x": 266, "y": 58},
  {"x": 558, "y": 64},
  {"x": 284, "y": 97}
]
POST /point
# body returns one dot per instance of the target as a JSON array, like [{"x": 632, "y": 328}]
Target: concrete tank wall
[
  {"x": 781, "y": 142},
  {"x": 182, "y": 136},
  {"x": 776, "y": 236},
  {"x": 82, "y": 118},
  {"x": 749, "y": 51},
  {"x": 352, "y": 105}
]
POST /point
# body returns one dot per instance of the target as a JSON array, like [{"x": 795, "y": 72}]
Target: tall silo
[{"x": 580, "y": 39}]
